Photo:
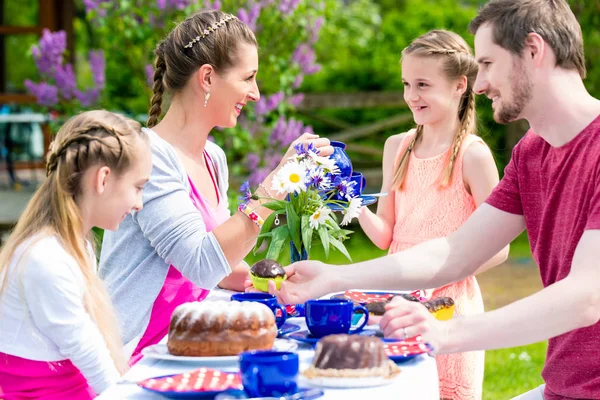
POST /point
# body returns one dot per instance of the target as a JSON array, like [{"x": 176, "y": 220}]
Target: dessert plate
[
  {"x": 370, "y": 296},
  {"x": 404, "y": 350},
  {"x": 301, "y": 393},
  {"x": 287, "y": 328},
  {"x": 160, "y": 352},
  {"x": 306, "y": 337},
  {"x": 200, "y": 383},
  {"x": 350, "y": 381}
]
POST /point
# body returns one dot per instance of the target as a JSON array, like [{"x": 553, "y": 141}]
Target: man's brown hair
[{"x": 553, "y": 20}]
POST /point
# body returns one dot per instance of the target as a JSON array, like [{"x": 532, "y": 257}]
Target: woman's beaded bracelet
[{"x": 245, "y": 208}]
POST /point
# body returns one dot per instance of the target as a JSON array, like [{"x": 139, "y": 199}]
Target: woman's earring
[{"x": 206, "y": 97}]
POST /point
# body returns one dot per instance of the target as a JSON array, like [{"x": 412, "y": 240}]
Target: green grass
[{"x": 508, "y": 372}]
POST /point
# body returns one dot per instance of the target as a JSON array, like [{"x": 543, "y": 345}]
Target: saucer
[
  {"x": 306, "y": 393},
  {"x": 366, "y": 201},
  {"x": 287, "y": 328},
  {"x": 306, "y": 337}
]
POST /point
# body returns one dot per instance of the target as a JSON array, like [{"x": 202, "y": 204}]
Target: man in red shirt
[{"x": 531, "y": 61}]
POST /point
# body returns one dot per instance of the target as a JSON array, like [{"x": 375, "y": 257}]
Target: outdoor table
[{"x": 418, "y": 378}]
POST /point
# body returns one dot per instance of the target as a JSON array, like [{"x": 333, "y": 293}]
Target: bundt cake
[
  {"x": 351, "y": 356},
  {"x": 220, "y": 328}
]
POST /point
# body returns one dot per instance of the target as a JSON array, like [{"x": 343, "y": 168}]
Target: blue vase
[
  {"x": 295, "y": 255},
  {"x": 341, "y": 159}
]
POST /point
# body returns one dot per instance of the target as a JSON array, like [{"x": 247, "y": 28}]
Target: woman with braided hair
[
  {"x": 185, "y": 243},
  {"x": 59, "y": 335},
  {"x": 436, "y": 176}
]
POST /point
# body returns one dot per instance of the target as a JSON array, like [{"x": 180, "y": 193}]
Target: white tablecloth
[{"x": 417, "y": 380}]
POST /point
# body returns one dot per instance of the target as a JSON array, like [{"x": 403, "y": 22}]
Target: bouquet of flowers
[{"x": 314, "y": 189}]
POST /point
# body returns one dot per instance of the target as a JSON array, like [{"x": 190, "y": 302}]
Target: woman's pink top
[{"x": 177, "y": 289}]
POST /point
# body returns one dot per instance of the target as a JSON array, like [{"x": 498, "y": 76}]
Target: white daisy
[
  {"x": 353, "y": 210},
  {"x": 290, "y": 178},
  {"x": 328, "y": 165},
  {"x": 318, "y": 218}
]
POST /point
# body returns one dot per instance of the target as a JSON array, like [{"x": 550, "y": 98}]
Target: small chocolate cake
[
  {"x": 438, "y": 304},
  {"x": 378, "y": 307},
  {"x": 267, "y": 269},
  {"x": 351, "y": 356}
]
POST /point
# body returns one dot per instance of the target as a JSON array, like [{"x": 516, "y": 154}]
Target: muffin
[{"x": 264, "y": 271}]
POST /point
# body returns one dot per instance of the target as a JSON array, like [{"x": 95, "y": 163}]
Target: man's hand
[{"x": 404, "y": 319}]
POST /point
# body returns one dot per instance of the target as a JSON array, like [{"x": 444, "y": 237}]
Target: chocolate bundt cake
[
  {"x": 351, "y": 356},
  {"x": 221, "y": 328}
]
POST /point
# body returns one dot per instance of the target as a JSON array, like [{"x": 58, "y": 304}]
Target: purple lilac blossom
[
  {"x": 296, "y": 99},
  {"x": 288, "y": 6},
  {"x": 215, "y": 5},
  {"x": 46, "y": 94},
  {"x": 87, "y": 97},
  {"x": 98, "y": 66},
  {"x": 65, "y": 81},
  {"x": 149, "y": 74},
  {"x": 298, "y": 82},
  {"x": 315, "y": 29},
  {"x": 49, "y": 54},
  {"x": 252, "y": 161},
  {"x": 305, "y": 57}
]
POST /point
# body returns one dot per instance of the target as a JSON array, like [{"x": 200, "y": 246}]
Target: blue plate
[
  {"x": 403, "y": 358},
  {"x": 366, "y": 201},
  {"x": 307, "y": 394},
  {"x": 287, "y": 328},
  {"x": 306, "y": 337}
]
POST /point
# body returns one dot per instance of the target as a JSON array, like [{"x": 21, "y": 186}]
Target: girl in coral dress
[{"x": 436, "y": 176}]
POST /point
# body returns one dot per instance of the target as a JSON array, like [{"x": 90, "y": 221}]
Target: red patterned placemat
[
  {"x": 199, "y": 380},
  {"x": 410, "y": 346},
  {"x": 372, "y": 297}
]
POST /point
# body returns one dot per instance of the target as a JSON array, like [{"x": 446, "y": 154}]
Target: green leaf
[
  {"x": 293, "y": 223},
  {"x": 340, "y": 246},
  {"x": 275, "y": 205},
  {"x": 324, "y": 235},
  {"x": 307, "y": 233},
  {"x": 280, "y": 235},
  {"x": 266, "y": 228}
]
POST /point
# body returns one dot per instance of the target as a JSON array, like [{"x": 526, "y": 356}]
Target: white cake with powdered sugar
[{"x": 221, "y": 328}]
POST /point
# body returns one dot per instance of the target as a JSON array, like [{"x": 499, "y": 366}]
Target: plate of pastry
[
  {"x": 306, "y": 337},
  {"x": 441, "y": 307},
  {"x": 200, "y": 383},
  {"x": 350, "y": 361},
  {"x": 218, "y": 331},
  {"x": 161, "y": 352},
  {"x": 404, "y": 350}
]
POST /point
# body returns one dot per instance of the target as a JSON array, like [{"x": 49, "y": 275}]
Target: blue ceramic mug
[
  {"x": 360, "y": 183},
  {"x": 330, "y": 316},
  {"x": 269, "y": 373},
  {"x": 267, "y": 299}
]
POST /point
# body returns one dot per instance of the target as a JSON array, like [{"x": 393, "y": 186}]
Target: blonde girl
[
  {"x": 59, "y": 333},
  {"x": 436, "y": 176}
]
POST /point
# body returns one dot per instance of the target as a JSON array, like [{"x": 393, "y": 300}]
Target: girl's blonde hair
[
  {"x": 457, "y": 61},
  {"x": 88, "y": 139}
]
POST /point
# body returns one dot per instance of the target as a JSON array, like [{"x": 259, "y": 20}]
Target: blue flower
[
  {"x": 246, "y": 192},
  {"x": 305, "y": 151},
  {"x": 343, "y": 187}
]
